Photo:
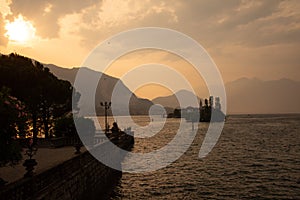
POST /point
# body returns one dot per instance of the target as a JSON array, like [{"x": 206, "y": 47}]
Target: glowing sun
[{"x": 20, "y": 30}]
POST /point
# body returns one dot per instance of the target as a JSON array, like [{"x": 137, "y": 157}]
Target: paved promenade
[{"x": 45, "y": 157}]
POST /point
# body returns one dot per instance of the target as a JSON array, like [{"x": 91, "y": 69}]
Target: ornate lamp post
[
  {"x": 30, "y": 163},
  {"x": 106, "y": 106}
]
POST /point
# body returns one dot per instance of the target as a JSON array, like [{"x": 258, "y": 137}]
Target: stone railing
[{"x": 60, "y": 141}]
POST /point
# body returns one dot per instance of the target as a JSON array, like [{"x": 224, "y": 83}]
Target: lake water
[{"x": 256, "y": 157}]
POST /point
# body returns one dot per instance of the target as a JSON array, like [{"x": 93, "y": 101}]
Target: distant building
[{"x": 205, "y": 113}]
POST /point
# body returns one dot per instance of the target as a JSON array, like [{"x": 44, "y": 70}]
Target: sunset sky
[{"x": 244, "y": 38}]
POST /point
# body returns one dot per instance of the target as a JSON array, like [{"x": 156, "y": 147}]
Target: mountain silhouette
[
  {"x": 187, "y": 98},
  {"x": 106, "y": 85}
]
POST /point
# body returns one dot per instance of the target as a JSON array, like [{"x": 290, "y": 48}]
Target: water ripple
[{"x": 256, "y": 157}]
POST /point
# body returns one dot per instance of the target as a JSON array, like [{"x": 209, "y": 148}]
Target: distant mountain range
[
  {"x": 243, "y": 95},
  {"x": 256, "y": 96}
]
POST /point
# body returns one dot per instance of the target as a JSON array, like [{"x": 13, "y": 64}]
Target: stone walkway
[{"x": 45, "y": 157}]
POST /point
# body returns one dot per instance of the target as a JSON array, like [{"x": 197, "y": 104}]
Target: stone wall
[{"x": 82, "y": 177}]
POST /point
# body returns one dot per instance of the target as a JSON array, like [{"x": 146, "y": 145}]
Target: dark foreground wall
[{"x": 82, "y": 177}]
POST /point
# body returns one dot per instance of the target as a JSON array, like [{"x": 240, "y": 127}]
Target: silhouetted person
[{"x": 115, "y": 128}]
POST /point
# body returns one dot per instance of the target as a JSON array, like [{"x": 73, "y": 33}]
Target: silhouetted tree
[
  {"x": 206, "y": 103},
  {"x": 46, "y": 97},
  {"x": 177, "y": 113},
  {"x": 12, "y": 123},
  {"x": 65, "y": 126}
]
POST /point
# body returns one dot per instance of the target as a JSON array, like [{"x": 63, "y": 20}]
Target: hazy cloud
[
  {"x": 263, "y": 24},
  {"x": 243, "y": 36},
  {"x": 45, "y": 14},
  {"x": 251, "y": 23},
  {"x": 3, "y": 39},
  {"x": 111, "y": 17}
]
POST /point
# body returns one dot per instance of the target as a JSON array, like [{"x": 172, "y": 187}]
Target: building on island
[{"x": 209, "y": 111}]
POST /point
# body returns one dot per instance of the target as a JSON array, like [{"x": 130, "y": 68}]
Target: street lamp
[{"x": 106, "y": 106}]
